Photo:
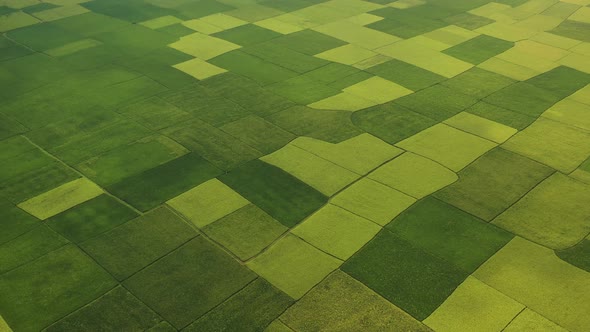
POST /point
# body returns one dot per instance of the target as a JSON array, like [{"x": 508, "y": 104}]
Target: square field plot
[
  {"x": 38, "y": 293},
  {"x": 359, "y": 154},
  {"x": 199, "y": 69},
  {"x": 245, "y": 232},
  {"x": 378, "y": 90},
  {"x": 347, "y": 54},
  {"x": 275, "y": 191},
  {"x": 169, "y": 286},
  {"x": 478, "y": 82},
  {"x": 474, "y": 306},
  {"x": 523, "y": 98},
  {"x": 252, "y": 309},
  {"x": 252, "y": 67},
  {"x": 116, "y": 310},
  {"x": 451, "y": 147},
  {"x": 159, "y": 184},
  {"x": 130, "y": 159},
  {"x": 341, "y": 303},
  {"x": 132, "y": 246},
  {"x": 414, "y": 175},
  {"x": 449, "y": 233},
  {"x": 437, "y": 102},
  {"x": 207, "y": 202},
  {"x": 325, "y": 176},
  {"x": 28, "y": 247},
  {"x": 538, "y": 216},
  {"x": 258, "y": 133},
  {"x": 14, "y": 221},
  {"x": 391, "y": 122},
  {"x": 61, "y": 198},
  {"x": 27, "y": 172},
  {"x": 552, "y": 143},
  {"x": 329, "y": 126},
  {"x": 570, "y": 112},
  {"x": 400, "y": 272},
  {"x": 479, "y": 49},
  {"x": 91, "y": 218},
  {"x": 293, "y": 265},
  {"x": 373, "y": 200},
  {"x": 482, "y": 127},
  {"x": 405, "y": 74},
  {"x": 493, "y": 183},
  {"x": 215, "y": 145},
  {"x": 336, "y": 231},
  {"x": 520, "y": 268}
]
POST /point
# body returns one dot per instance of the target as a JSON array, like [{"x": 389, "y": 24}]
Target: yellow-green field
[{"x": 295, "y": 165}]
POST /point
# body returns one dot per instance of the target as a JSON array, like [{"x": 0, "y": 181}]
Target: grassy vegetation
[
  {"x": 169, "y": 287},
  {"x": 294, "y": 165}
]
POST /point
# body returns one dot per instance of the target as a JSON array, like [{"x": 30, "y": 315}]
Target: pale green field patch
[
  {"x": 482, "y": 127},
  {"x": 161, "y": 22},
  {"x": 529, "y": 320},
  {"x": 451, "y": 147},
  {"x": 322, "y": 175},
  {"x": 538, "y": 216},
  {"x": 60, "y": 12},
  {"x": 347, "y": 54},
  {"x": 508, "y": 69},
  {"x": 413, "y": 53},
  {"x": 414, "y": 175},
  {"x": 279, "y": 26},
  {"x": 343, "y": 102},
  {"x": 373, "y": 200},
  {"x": 199, "y": 69},
  {"x": 359, "y": 154},
  {"x": 536, "y": 277},
  {"x": 570, "y": 112},
  {"x": 203, "y": 46},
  {"x": 336, "y": 231},
  {"x": 61, "y": 198},
  {"x": 341, "y": 303},
  {"x": 208, "y": 202},
  {"x": 245, "y": 232},
  {"x": 552, "y": 143},
  {"x": 293, "y": 265},
  {"x": 378, "y": 90},
  {"x": 357, "y": 35},
  {"x": 16, "y": 20},
  {"x": 474, "y": 306}
]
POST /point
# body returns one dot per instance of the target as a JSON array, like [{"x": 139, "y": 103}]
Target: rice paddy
[{"x": 295, "y": 165}]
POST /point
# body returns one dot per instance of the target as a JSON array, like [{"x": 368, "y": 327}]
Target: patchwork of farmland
[{"x": 295, "y": 165}]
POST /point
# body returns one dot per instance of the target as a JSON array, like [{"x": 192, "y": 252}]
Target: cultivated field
[{"x": 295, "y": 165}]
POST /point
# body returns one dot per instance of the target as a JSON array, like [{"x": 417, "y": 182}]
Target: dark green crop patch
[
  {"x": 157, "y": 185},
  {"x": 278, "y": 193},
  {"x": 407, "y": 276},
  {"x": 91, "y": 218},
  {"x": 479, "y": 49},
  {"x": 130, "y": 247},
  {"x": 391, "y": 122},
  {"x": 117, "y": 310},
  {"x": 449, "y": 233},
  {"x": 45, "y": 293},
  {"x": 170, "y": 287},
  {"x": 251, "y": 309}
]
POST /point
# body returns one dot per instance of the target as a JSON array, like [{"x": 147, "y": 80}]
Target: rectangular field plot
[
  {"x": 61, "y": 198},
  {"x": 131, "y": 159},
  {"x": 147, "y": 190},
  {"x": 295, "y": 165},
  {"x": 275, "y": 191}
]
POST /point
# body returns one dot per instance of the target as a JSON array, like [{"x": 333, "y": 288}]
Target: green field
[{"x": 295, "y": 165}]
